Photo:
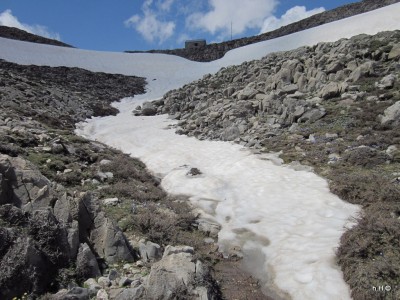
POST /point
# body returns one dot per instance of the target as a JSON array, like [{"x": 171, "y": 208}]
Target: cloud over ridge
[
  {"x": 9, "y": 20},
  {"x": 292, "y": 15}
]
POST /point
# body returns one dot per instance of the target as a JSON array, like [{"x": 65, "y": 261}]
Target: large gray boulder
[
  {"x": 391, "y": 114},
  {"x": 86, "y": 263}
]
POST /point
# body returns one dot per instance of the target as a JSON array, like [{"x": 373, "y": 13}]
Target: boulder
[
  {"x": 230, "y": 133},
  {"x": 63, "y": 208},
  {"x": 173, "y": 275},
  {"x": 365, "y": 70},
  {"x": 247, "y": 93},
  {"x": 128, "y": 293},
  {"x": 106, "y": 238},
  {"x": 111, "y": 201},
  {"x": 50, "y": 236},
  {"x": 209, "y": 227},
  {"x": 102, "y": 295},
  {"x": 290, "y": 88},
  {"x": 86, "y": 263},
  {"x": 169, "y": 250},
  {"x": 149, "y": 109},
  {"x": 391, "y": 115},
  {"x": 331, "y": 90},
  {"x": 387, "y": 82},
  {"x": 312, "y": 115},
  {"x": 149, "y": 251},
  {"x": 395, "y": 52},
  {"x": 334, "y": 67},
  {"x": 76, "y": 293},
  {"x": 22, "y": 184}
]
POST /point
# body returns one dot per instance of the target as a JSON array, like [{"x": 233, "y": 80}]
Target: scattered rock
[
  {"x": 391, "y": 115},
  {"x": 111, "y": 201}
]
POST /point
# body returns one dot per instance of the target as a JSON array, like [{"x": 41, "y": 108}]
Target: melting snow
[{"x": 287, "y": 222}]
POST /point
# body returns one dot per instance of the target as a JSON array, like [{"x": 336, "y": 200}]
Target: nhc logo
[{"x": 382, "y": 288}]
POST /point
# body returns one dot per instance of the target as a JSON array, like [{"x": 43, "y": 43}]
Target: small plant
[{"x": 23, "y": 297}]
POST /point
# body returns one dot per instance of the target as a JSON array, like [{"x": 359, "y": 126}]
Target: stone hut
[{"x": 195, "y": 44}]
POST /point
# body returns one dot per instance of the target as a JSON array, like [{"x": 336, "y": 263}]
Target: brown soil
[{"x": 235, "y": 283}]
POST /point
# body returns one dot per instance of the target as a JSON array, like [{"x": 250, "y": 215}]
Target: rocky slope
[
  {"x": 77, "y": 217},
  {"x": 21, "y": 35},
  {"x": 334, "y": 107},
  {"x": 216, "y": 51}
]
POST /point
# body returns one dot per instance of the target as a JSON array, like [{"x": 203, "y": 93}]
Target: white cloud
[
  {"x": 165, "y": 5},
  {"x": 8, "y": 19},
  {"x": 294, "y": 14},
  {"x": 149, "y": 25},
  {"x": 243, "y": 15}
]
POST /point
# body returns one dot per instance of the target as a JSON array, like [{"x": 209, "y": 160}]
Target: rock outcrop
[
  {"x": 55, "y": 226},
  {"x": 261, "y": 99}
]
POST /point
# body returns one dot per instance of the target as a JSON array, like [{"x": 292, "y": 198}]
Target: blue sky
[{"x": 118, "y": 25}]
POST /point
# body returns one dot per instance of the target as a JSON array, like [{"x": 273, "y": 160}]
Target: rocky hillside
[
  {"x": 22, "y": 35},
  {"x": 334, "y": 107},
  {"x": 62, "y": 96},
  {"x": 79, "y": 220},
  {"x": 216, "y": 51}
]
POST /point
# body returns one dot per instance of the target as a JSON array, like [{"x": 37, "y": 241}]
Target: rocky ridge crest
[{"x": 21, "y": 35}]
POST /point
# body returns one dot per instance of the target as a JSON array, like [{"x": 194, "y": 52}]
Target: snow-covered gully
[{"x": 287, "y": 222}]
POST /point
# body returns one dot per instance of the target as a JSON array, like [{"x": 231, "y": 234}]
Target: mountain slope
[
  {"x": 215, "y": 51},
  {"x": 21, "y": 35}
]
